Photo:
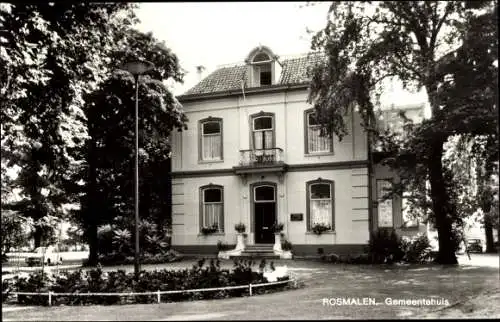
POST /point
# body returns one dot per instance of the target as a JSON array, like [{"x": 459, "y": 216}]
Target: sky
[{"x": 218, "y": 33}]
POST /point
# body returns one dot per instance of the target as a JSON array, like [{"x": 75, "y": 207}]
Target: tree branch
[{"x": 436, "y": 29}]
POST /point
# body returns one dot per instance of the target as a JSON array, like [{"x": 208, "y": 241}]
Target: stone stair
[{"x": 258, "y": 251}]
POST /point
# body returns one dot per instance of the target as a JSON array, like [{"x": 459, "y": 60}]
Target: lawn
[{"x": 321, "y": 281}]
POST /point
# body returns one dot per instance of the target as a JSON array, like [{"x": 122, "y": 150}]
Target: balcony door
[
  {"x": 263, "y": 132},
  {"x": 263, "y": 137},
  {"x": 264, "y": 209}
]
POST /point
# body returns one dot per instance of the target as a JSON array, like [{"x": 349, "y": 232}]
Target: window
[
  {"x": 320, "y": 203},
  {"x": 260, "y": 57},
  {"x": 409, "y": 220},
  {"x": 314, "y": 142},
  {"x": 385, "y": 213},
  {"x": 211, "y": 139},
  {"x": 212, "y": 207},
  {"x": 262, "y": 69},
  {"x": 265, "y": 74},
  {"x": 263, "y": 132},
  {"x": 264, "y": 194}
]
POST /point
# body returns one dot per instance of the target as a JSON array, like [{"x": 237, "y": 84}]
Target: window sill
[
  {"x": 318, "y": 154},
  {"x": 213, "y": 234},
  {"x": 330, "y": 232},
  {"x": 209, "y": 161}
]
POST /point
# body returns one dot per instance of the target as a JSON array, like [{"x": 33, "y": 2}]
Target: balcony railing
[{"x": 261, "y": 157}]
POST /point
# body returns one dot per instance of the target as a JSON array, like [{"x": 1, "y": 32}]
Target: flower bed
[
  {"x": 197, "y": 278},
  {"x": 120, "y": 259}
]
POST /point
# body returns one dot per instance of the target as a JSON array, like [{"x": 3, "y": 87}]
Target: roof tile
[{"x": 294, "y": 71}]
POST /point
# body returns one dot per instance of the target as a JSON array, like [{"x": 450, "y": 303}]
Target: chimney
[{"x": 199, "y": 71}]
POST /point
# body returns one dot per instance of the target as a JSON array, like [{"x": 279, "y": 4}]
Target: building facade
[{"x": 253, "y": 154}]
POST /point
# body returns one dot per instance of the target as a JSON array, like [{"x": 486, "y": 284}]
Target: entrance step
[
  {"x": 258, "y": 251},
  {"x": 256, "y": 256}
]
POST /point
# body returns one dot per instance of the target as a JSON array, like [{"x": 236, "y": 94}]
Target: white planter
[
  {"x": 240, "y": 242},
  {"x": 277, "y": 243},
  {"x": 240, "y": 246}
]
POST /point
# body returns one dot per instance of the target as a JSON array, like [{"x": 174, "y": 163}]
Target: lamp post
[{"x": 137, "y": 68}]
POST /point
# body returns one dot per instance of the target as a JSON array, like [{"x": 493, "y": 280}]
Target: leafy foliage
[
  {"x": 286, "y": 245},
  {"x": 278, "y": 227},
  {"x": 52, "y": 54},
  {"x": 416, "y": 250},
  {"x": 222, "y": 246},
  {"x": 240, "y": 227},
  {"x": 385, "y": 247},
  {"x": 110, "y": 149},
  {"x": 95, "y": 280},
  {"x": 209, "y": 230},
  {"x": 320, "y": 228},
  {"x": 448, "y": 48}
]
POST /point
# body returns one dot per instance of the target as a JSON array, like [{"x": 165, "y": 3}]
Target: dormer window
[
  {"x": 264, "y": 69},
  {"x": 261, "y": 57},
  {"x": 265, "y": 74}
]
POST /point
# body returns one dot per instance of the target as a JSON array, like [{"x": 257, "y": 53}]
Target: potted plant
[
  {"x": 319, "y": 228},
  {"x": 278, "y": 227},
  {"x": 240, "y": 229},
  {"x": 210, "y": 230}
]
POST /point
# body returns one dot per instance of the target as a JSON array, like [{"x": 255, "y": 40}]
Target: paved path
[{"x": 322, "y": 281}]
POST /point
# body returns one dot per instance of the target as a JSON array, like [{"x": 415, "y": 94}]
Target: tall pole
[{"x": 136, "y": 258}]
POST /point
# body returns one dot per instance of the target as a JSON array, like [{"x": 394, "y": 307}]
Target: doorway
[{"x": 264, "y": 209}]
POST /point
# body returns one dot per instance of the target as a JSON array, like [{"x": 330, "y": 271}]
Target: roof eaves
[{"x": 248, "y": 91}]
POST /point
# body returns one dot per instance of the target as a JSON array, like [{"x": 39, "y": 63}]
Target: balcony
[{"x": 261, "y": 160}]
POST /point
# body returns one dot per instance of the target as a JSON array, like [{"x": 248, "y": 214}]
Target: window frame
[
  {"x": 309, "y": 184},
  {"x": 201, "y": 136},
  {"x": 260, "y": 186},
  {"x": 306, "y": 136},
  {"x": 253, "y": 117},
  {"x": 202, "y": 206},
  {"x": 380, "y": 199}
]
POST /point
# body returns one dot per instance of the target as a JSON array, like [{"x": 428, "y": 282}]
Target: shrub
[
  {"x": 417, "y": 250},
  {"x": 95, "y": 280},
  {"x": 278, "y": 227},
  {"x": 320, "y": 228},
  {"x": 6, "y": 289},
  {"x": 240, "y": 227},
  {"x": 286, "y": 245},
  {"x": 222, "y": 246},
  {"x": 385, "y": 247},
  {"x": 146, "y": 258}
]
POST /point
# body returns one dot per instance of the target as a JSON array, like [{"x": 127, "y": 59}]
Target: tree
[
  {"x": 51, "y": 55},
  {"x": 448, "y": 48},
  {"x": 110, "y": 148}
]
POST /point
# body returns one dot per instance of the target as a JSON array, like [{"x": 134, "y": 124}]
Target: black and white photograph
[{"x": 178, "y": 161}]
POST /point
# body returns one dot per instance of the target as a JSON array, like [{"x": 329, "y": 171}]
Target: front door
[{"x": 264, "y": 213}]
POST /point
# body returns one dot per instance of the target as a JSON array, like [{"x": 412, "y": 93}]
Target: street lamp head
[{"x": 138, "y": 67}]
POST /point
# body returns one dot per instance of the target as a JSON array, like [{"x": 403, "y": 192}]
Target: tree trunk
[
  {"x": 93, "y": 245},
  {"x": 37, "y": 236},
  {"x": 440, "y": 207},
  {"x": 92, "y": 207},
  {"x": 488, "y": 230}
]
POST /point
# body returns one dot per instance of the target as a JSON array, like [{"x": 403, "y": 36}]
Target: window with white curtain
[
  {"x": 212, "y": 207},
  {"x": 211, "y": 140},
  {"x": 314, "y": 142},
  {"x": 320, "y": 200},
  {"x": 263, "y": 132}
]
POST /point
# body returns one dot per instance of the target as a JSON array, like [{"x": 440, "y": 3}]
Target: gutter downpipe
[{"x": 370, "y": 184}]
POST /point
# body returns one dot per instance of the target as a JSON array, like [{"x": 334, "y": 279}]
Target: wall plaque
[{"x": 296, "y": 217}]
